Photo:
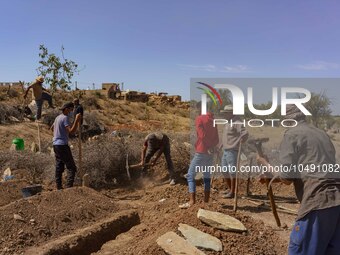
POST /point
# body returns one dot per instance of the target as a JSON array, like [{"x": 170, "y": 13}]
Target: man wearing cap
[
  {"x": 160, "y": 143},
  {"x": 39, "y": 94},
  {"x": 63, "y": 155},
  {"x": 304, "y": 148},
  {"x": 233, "y": 135}
]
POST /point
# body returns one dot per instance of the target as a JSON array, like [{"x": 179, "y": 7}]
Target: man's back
[
  {"x": 60, "y": 136},
  {"x": 311, "y": 152},
  {"x": 207, "y": 135},
  {"x": 154, "y": 140}
]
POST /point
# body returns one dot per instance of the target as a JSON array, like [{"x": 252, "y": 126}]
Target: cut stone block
[
  {"x": 220, "y": 221},
  {"x": 176, "y": 245},
  {"x": 199, "y": 238}
]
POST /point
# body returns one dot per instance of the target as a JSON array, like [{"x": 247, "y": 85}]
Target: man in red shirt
[{"x": 207, "y": 140}]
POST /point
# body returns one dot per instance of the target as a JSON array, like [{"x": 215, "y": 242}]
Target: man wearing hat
[
  {"x": 39, "y": 94},
  {"x": 304, "y": 148},
  {"x": 233, "y": 135},
  {"x": 63, "y": 155}
]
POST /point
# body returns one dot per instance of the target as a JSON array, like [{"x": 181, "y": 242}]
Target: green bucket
[{"x": 19, "y": 144}]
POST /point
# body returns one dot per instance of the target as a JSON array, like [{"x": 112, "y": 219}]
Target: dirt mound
[
  {"x": 11, "y": 191},
  {"x": 158, "y": 208},
  {"x": 49, "y": 215}
]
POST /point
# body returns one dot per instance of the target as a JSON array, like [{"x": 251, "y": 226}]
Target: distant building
[
  {"x": 108, "y": 86},
  {"x": 9, "y": 84}
]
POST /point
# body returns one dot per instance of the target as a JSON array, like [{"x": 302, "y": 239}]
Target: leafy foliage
[
  {"x": 57, "y": 71},
  {"x": 319, "y": 107}
]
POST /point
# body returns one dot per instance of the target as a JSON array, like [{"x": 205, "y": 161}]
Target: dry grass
[
  {"x": 105, "y": 159},
  {"x": 6, "y": 111},
  {"x": 40, "y": 166}
]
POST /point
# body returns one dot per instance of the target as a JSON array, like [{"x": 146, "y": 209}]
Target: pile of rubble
[{"x": 162, "y": 99}]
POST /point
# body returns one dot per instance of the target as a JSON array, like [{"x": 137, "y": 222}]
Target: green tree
[
  {"x": 319, "y": 107},
  {"x": 57, "y": 71}
]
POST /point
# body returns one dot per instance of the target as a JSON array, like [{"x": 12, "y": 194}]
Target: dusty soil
[
  {"x": 11, "y": 191},
  {"x": 159, "y": 217},
  {"x": 50, "y": 215},
  {"x": 53, "y": 214}
]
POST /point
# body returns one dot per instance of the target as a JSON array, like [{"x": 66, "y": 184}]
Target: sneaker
[
  {"x": 184, "y": 206},
  {"x": 229, "y": 195},
  {"x": 225, "y": 192},
  {"x": 172, "y": 182}
]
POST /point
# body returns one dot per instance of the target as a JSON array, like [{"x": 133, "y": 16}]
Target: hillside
[{"x": 111, "y": 115}]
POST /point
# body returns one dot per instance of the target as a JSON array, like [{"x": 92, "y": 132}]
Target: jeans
[
  {"x": 318, "y": 233},
  {"x": 229, "y": 159},
  {"x": 63, "y": 156},
  {"x": 39, "y": 102},
  {"x": 201, "y": 160},
  {"x": 151, "y": 151}
]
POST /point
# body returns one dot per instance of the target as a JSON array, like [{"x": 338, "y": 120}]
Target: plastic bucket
[
  {"x": 31, "y": 190},
  {"x": 19, "y": 144}
]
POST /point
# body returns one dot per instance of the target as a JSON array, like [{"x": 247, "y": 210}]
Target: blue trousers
[
  {"x": 229, "y": 158},
  {"x": 318, "y": 233},
  {"x": 200, "y": 160}
]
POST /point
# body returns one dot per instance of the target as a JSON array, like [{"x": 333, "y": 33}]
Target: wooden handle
[
  {"x": 270, "y": 190},
  {"x": 236, "y": 176},
  {"x": 272, "y": 203}
]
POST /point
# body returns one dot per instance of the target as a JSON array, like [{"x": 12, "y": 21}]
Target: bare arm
[
  {"x": 73, "y": 129},
  {"x": 26, "y": 92}
]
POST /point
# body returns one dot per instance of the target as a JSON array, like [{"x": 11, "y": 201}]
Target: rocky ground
[{"x": 34, "y": 221}]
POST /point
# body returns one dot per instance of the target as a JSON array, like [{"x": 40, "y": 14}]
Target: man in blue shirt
[{"x": 63, "y": 155}]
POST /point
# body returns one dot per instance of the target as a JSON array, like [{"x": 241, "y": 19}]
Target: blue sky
[{"x": 158, "y": 45}]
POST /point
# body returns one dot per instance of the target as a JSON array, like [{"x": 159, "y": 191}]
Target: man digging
[
  {"x": 160, "y": 143},
  {"x": 61, "y": 130},
  {"x": 305, "y": 147}
]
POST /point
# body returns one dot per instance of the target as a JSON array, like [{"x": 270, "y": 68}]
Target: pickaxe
[
  {"x": 128, "y": 167},
  {"x": 258, "y": 144}
]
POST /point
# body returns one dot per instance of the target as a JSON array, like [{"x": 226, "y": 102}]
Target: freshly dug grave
[
  {"x": 159, "y": 212},
  {"x": 52, "y": 214}
]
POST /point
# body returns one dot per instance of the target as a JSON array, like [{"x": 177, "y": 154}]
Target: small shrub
[
  {"x": 12, "y": 93},
  {"x": 38, "y": 165},
  {"x": 50, "y": 116},
  {"x": 7, "y": 111},
  {"x": 91, "y": 102}
]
